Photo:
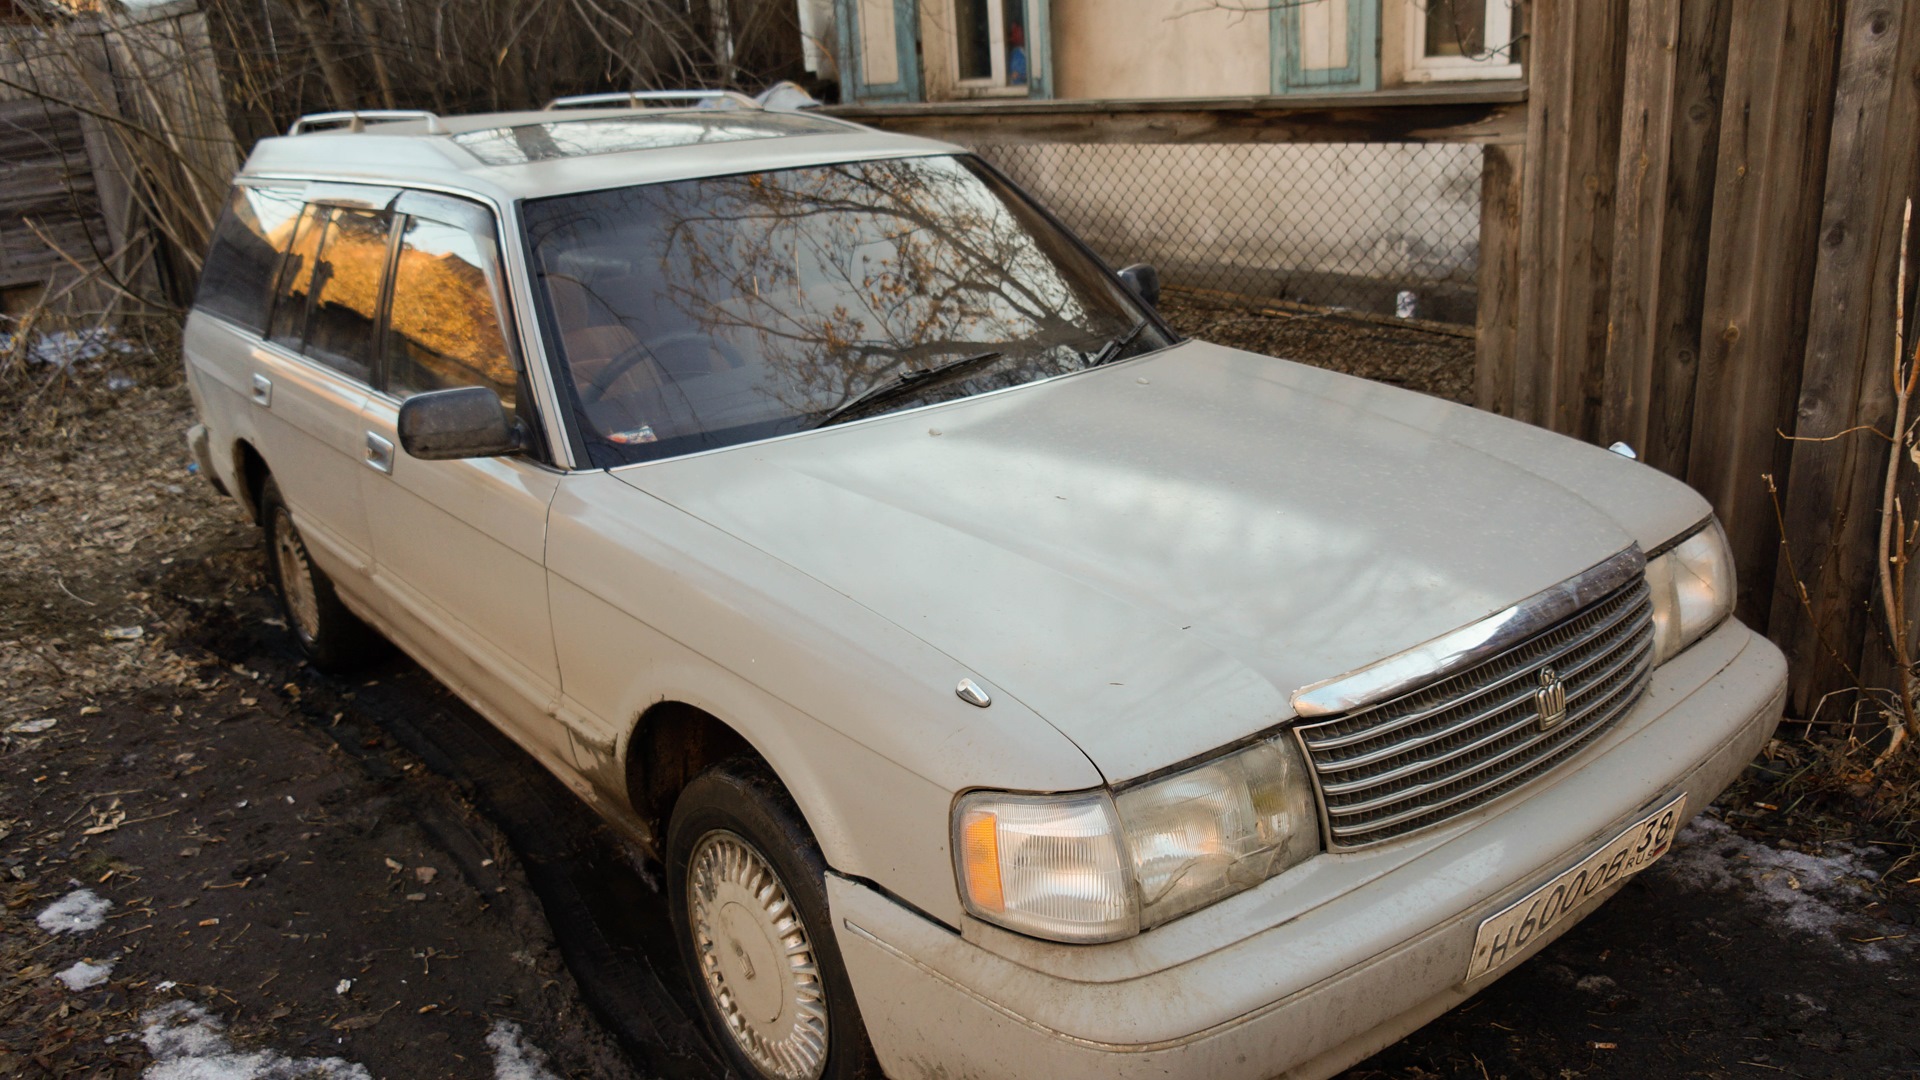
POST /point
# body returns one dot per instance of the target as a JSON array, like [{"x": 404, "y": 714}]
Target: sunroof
[{"x": 647, "y": 130}]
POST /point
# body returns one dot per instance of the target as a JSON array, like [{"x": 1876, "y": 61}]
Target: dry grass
[{"x": 95, "y": 484}]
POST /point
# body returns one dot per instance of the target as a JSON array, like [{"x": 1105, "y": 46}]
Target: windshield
[{"x": 703, "y": 313}]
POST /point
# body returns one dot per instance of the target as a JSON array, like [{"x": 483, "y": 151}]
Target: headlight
[
  {"x": 1692, "y": 590},
  {"x": 1091, "y": 866}
]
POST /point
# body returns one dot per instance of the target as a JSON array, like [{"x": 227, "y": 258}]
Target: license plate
[{"x": 1505, "y": 935}]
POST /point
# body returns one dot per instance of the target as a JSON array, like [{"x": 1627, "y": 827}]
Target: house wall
[{"x": 1149, "y": 49}]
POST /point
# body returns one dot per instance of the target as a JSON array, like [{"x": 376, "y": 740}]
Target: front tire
[
  {"x": 331, "y": 636},
  {"x": 747, "y": 891}
]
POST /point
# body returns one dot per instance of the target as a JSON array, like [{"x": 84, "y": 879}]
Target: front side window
[
  {"x": 704, "y": 313},
  {"x": 443, "y": 330},
  {"x": 237, "y": 280}
]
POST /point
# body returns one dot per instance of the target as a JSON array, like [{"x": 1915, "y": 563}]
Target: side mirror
[
  {"x": 469, "y": 422},
  {"x": 1144, "y": 280}
]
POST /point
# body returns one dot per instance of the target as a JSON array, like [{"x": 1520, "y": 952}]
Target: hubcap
[
  {"x": 296, "y": 577},
  {"x": 755, "y": 958}
]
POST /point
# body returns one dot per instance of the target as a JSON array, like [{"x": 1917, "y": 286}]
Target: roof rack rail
[
  {"x": 634, "y": 99},
  {"x": 357, "y": 119}
]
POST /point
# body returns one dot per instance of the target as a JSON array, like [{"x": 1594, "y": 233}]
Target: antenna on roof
[
  {"x": 357, "y": 119},
  {"x": 636, "y": 99}
]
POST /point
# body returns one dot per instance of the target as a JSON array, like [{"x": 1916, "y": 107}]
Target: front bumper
[{"x": 1285, "y": 980}]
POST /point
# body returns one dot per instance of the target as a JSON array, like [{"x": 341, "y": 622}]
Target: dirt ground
[
  {"x": 217, "y": 863},
  {"x": 1429, "y": 360}
]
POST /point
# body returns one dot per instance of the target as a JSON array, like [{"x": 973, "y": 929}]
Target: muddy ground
[{"x": 311, "y": 876}]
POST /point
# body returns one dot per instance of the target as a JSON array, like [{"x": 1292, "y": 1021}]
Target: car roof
[{"x": 515, "y": 155}]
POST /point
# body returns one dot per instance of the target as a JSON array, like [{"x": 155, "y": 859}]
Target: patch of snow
[
  {"x": 83, "y": 975},
  {"x": 514, "y": 1058},
  {"x": 1595, "y": 984},
  {"x": 75, "y": 913},
  {"x": 1811, "y": 894},
  {"x": 65, "y": 348},
  {"x": 188, "y": 1043}
]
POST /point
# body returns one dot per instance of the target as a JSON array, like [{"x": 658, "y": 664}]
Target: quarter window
[
  {"x": 444, "y": 327},
  {"x": 237, "y": 280}
]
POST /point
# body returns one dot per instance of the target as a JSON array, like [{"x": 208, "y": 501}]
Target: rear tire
[
  {"x": 333, "y": 638},
  {"x": 747, "y": 890}
]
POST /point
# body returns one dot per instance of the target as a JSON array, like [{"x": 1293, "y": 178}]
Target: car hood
[{"x": 1154, "y": 555}]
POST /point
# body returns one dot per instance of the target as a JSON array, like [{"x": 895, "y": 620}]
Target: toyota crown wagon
[{"x": 1008, "y": 686}]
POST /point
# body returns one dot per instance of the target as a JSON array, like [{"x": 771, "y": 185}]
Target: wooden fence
[
  {"x": 1704, "y": 226},
  {"x": 115, "y": 146}
]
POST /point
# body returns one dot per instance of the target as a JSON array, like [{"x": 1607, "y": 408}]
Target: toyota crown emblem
[{"x": 1550, "y": 701}]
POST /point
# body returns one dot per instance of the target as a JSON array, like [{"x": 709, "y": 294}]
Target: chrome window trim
[
  {"x": 1463, "y": 648},
  {"x": 519, "y": 294}
]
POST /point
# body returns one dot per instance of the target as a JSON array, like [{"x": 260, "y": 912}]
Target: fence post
[
  {"x": 1498, "y": 315},
  {"x": 1760, "y": 257},
  {"x": 1832, "y": 492}
]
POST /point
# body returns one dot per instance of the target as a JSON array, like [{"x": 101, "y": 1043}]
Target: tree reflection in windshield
[{"x": 708, "y": 312}]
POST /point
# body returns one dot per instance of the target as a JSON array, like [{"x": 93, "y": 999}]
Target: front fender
[{"x": 857, "y": 716}]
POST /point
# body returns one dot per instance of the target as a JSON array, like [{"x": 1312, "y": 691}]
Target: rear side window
[
  {"x": 345, "y": 307},
  {"x": 329, "y": 300},
  {"x": 296, "y": 279},
  {"x": 443, "y": 330},
  {"x": 237, "y": 280}
]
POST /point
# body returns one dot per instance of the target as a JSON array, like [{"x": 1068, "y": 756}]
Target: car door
[
  {"x": 459, "y": 545},
  {"x": 309, "y": 380}
]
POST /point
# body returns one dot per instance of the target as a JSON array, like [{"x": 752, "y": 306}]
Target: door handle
[
  {"x": 262, "y": 390},
  {"x": 379, "y": 454}
]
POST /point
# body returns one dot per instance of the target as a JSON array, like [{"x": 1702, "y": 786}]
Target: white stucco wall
[{"x": 1147, "y": 48}]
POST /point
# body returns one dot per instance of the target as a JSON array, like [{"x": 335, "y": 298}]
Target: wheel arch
[
  {"x": 250, "y": 467},
  {"x": 869, "y": 817}
]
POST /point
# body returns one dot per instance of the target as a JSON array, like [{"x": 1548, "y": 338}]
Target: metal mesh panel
[{"x": 1386, "y": 228}]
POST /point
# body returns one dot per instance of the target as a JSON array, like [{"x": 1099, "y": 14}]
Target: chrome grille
[{"x": 1434, "y": 753}]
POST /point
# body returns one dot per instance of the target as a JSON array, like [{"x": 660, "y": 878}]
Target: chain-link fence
[{"x": 1386, "y": 228}]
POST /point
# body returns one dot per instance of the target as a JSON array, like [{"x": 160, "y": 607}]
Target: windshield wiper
[
  {"x": 1111, "y": 350},
  {"x": 910, "y": 379}
]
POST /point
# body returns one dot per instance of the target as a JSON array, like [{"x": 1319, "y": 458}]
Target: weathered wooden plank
[
  {"x": 1676, "y": 72},
  {"x": 1832, "y": 491},
  {"x": 1498, "y": 316},
  {"x": 1449, "y": 114},
  {"x": 1566, "y": 226},
  {"x": 45, "y": 189},
  {"x": 1766, "y": 209}
]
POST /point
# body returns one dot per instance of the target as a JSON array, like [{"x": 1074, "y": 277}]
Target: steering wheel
[{"x": 631, "y": 356}]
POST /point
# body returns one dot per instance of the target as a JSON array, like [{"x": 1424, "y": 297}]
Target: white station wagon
[{"x": 1009, "y": 687}]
